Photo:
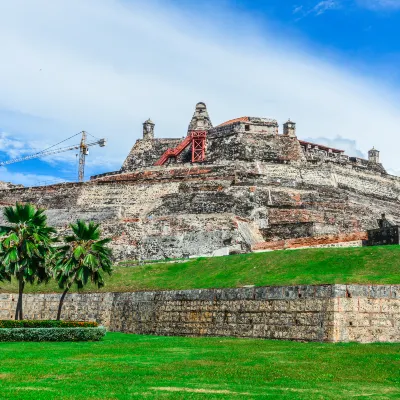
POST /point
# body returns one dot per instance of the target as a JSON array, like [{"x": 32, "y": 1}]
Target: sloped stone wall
[
  {"x": 174, "y": 212},
  {"x": 330, "y": 313}
]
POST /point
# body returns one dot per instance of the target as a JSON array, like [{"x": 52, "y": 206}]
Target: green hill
[{"x": 366, "y": 265}]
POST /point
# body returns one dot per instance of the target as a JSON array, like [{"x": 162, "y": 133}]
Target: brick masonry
[{"x": 329, "y": 313}]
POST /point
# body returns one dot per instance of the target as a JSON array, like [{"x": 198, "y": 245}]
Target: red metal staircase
[{"x": 195, "y": 138}]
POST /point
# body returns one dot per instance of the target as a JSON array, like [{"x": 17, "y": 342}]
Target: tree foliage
[
  {"x": 83, "y": 258},
  {"x": 24, "y": 247}
]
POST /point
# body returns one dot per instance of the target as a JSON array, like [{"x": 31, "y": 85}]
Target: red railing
[{"x": 198, "y": 141}]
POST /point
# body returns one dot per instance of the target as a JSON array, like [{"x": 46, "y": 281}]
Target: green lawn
[
  {"x": 380, "y": 265},
  {"x": 128, "y": 366}
]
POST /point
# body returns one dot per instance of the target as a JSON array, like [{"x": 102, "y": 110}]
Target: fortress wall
[
  {"x": 366, "y": 313},
  {"x": 146, "y": 152},
  {"x": 342, "y": 240},
  {"x": 250, "y": 147},
  {"x": 210, "y": 210},
  {"x": 77, "y": 307},
  {"x": 144, "y": 220},
  {"x": 330, "y": 313}
]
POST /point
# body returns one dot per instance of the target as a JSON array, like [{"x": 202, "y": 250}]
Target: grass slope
[
  {"x": 378, "y": 265},
  {"x": 135, "y": 367}
]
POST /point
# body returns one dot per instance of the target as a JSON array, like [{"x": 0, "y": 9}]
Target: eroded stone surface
[{"x": 199, "y": 210}]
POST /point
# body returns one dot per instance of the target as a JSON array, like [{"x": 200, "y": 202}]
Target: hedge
[
  {"x": 46, "y": 324},
  {"x": 51, "y": 334}
]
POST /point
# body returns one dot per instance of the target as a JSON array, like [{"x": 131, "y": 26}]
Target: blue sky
[{"x": 105, "y": 66}]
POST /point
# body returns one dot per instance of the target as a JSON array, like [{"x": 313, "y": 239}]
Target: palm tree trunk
[
  {"x": 61, "y": 303},
  {"x": 17, "y": 311},
  {"x": 21, "y": 285}
]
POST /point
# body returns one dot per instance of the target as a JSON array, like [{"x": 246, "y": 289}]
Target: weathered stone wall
[
  {"x": 342, "y": 240},
  {"x": 333, "y": 313},
  {"x": 146, "y": 152},
  {"x": 208, "y": 210},
  {"x": 77, "y": 307},
  {"x": 366, "y": 314},
  {"x": 225, "y": 148}
]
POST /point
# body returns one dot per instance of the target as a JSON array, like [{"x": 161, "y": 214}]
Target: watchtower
[
  {"x": 373, "y": 156},
  {"x": 201, "y": 120},
  {"x": 289, "y": 128},
  {"x": 148, "y": 129}
]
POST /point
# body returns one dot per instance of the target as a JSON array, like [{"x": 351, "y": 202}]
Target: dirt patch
[
  {"x": 35, "y": 388},
  {"x": 191, "y": 390}
]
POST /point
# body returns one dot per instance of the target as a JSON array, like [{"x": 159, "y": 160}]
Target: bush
[
  {"x": 51, "y": 334},
  {"x": 46, "y": 324}
]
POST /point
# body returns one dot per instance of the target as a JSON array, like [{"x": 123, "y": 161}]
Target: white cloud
[
  {"x": 28, "y": 179},
  {"x": 16, "y": 147},
  {"x": 318, "y": 9},
  {"x": 380, "y": 4},
  {"x": 347, "y": 145},
  {"x": 11, "y": 146},
  {"x": 325, "y": 5},
  {"x": 106, "y": 65},
  {"x": 298, "y": 9}
]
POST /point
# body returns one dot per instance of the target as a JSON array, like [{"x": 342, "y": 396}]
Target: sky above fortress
[{"x": 105, "y": 66}]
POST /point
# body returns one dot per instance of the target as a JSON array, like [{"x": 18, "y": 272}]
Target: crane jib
[{"x": 83, "y": 150}]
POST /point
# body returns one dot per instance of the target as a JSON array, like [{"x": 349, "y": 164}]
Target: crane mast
[{"x": 83, "y": 152}]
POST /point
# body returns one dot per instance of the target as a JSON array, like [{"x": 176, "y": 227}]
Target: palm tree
[
  {"x": 25, "y": 246},
  {"x": 82, "y": 258}
]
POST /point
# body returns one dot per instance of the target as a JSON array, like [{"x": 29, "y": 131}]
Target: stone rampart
[
  {"x": 330, "y": 313},
  {"x": 175, "y": 212}
]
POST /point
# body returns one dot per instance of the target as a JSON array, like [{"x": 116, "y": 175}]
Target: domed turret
[
  {"x": 373, "y": 156},
  {"x": 201, "y": 120},
  {"x": 148, "y": 129},
  {"x": 289, "y": 128}
]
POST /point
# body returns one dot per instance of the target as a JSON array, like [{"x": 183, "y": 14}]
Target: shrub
[
  {"x": 51, "y": 334},
  {"x": 46, "y": 324}
]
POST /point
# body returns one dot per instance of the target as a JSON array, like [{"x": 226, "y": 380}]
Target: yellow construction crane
[{"x": 83, "y": 152}]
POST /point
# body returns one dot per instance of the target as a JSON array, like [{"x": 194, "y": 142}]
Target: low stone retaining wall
[
  {"x": 330, "y": 313},
  {"x": 356, "y": 239}
]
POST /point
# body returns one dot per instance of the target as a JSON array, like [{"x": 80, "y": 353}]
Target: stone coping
[{"x": 247, "y": 293}]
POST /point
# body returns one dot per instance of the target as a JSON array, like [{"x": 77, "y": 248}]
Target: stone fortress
[{"x": 240, "y": 186}]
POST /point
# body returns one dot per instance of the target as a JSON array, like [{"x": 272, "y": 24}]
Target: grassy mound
[
  {"x": 136, "y": 367},
  {"x": 364, "y": 265}
]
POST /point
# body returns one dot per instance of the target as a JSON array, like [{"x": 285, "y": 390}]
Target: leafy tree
[
  {"x": 83, "y": 257},
  {"x": 24, "y": 247}
]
